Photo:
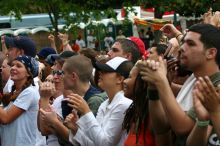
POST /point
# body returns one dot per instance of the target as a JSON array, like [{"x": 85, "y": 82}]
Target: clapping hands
[
  {"x": 207, "y": 94},
  {"x": 47, "y": 89},
  {"x": 70, "y": 121},
  {"x": 77, "y": 102},
  {"x": 152, "y": 71}
]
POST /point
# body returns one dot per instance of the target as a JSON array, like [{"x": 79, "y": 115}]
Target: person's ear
[
  {"x": 211, "y": 53},
  {"x": 129, "y": 56},
  {"x": 74, "y": 76},
  {"x": 21, "y": 52},
  {"x": 120, "y": 79}
]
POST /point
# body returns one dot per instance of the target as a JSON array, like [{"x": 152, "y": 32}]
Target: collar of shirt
[{"x": 115, "y": 99}]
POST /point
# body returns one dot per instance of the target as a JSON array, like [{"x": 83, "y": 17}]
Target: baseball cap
[
  {"x": 114, "y": 65},
  {"x": 44, "y": 52},
  {"x": 63, "y": 55},
  {"x": 49, "y": 59},
  {"x": 23, "y": 43},
  {"x": 144, "y": 53}
]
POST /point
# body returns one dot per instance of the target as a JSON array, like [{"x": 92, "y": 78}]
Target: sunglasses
[{"x": 57, "y": 72}]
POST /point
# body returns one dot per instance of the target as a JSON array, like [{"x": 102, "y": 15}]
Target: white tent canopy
[
  {"x": 23, "y": 30},
  {"x": 38, "y": 29},
  {"x": 6, "y": 31}
]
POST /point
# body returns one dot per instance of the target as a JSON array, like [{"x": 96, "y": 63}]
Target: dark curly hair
[{"x": 138, "y": 111}]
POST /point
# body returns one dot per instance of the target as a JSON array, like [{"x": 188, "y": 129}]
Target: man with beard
[{"x": 199, "y": 54}]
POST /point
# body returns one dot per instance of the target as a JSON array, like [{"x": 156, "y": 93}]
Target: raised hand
[
  {"x": 77, "y": 102},
  {"x": 3, "y": 39},
  {"x": 170, "y": 30},
  {"x": 207, "y": 17},
  {"x": 201, "y": 112},
  {"x": 152, "y": 71},
  {"x": 215, "y": 19},
  {"x": 51, "y": 38},
  {"x": 47, "y": 89},
  {"x": 174, "y": 47},
  {"x": 211, "y": 96},
  {"x": 63, "y": 37}
]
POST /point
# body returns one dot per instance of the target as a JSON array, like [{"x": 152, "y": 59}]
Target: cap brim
[
  {"x": 41, "y": 56},
  {"x": 103, "y": 67},
  {"x": 67, "y": 54},
  {"x": 55, "y": 57}
]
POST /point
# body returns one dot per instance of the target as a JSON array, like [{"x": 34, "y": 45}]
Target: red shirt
[
  {"x": 75, "y": 47},
  {"x": 149, "y": 138}
]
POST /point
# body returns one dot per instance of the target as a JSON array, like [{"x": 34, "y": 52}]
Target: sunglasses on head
[{"x": 57, "y": 72}]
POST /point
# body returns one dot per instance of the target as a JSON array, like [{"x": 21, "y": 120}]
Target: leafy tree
[
  {"x": 182, "y": 7},
  {"x": 192, "y": 7},
  {"x": 73, "y": 11},
  {"x": 76, "y": 11}
]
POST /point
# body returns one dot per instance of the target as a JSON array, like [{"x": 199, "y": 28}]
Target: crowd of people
[{"x": 165, "y": 95}]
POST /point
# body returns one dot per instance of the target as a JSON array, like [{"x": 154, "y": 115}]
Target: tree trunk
[
  {"x": 158, "y": 14},
  {"x": 157, "y": 34}
]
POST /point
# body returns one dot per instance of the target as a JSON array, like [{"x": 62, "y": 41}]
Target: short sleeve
[{"x": 26, "y": 98}]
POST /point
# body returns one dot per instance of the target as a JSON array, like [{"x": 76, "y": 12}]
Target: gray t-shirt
[{"x": 22, "y": 131}]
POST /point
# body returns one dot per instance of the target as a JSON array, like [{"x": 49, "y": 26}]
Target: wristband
[
  {"x": 152, "y": 94},
  {"x": 178, "y": 35},
  {"x": 202, "y": 123}
]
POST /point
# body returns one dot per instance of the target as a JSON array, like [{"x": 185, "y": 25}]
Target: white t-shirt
[
  {"x": 184, "y": 97},
  {"x": 10, "y": 83},
  {"x": 81, "y": 43},
  {"x": 22, "y": 131},
  {"x": 108, "y": 41},
  {"x": 91, "y": 42},
  {"x": 57, "y": 105},
  {"x": 40, "y": 140}
]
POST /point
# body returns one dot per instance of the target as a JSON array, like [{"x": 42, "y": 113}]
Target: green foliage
[
  {"x": 12, "y": 7},
  {"x": 76, "y": 11},
  {"x": 182, "y": 7},
  {"x": 193, "y": 7}
]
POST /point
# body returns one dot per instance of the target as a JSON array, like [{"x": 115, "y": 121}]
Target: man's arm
[
  {"x": 199, "y": 136},
  {"x": 179, "y": 121},
  {"x": 51, "y": 38},
  {"x": 155, "y": 73},
  {"x": 43, "y": 127},
  {"x": 46, "y": 90},
  {"x": 4, "y": 48}
]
